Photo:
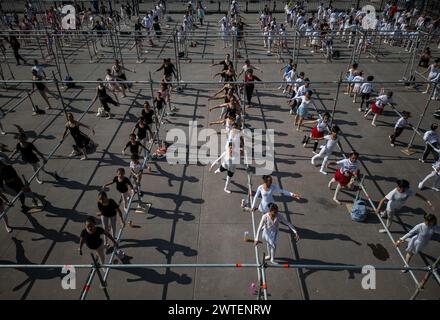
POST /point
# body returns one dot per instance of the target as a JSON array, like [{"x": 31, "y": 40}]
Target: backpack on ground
[
  {"x": 69, "y": 84},
  {"x": 359, "y": 211}
]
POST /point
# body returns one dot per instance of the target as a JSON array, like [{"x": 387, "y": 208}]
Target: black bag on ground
[{"x": 69, "y": 84}]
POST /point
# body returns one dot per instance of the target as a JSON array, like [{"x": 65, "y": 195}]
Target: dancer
[
  {"x": 249, "y": 85},
  {"x": 317, "y": 132},
  {"x": 435, "y": 173},
  {"x": 168, "y": 70},
  {"x": 351, "y": 73},
  {"x": 327, "y": 149},
  {"x": 82, "y": 141},
  {"x": 434, "y": 70},
  {"x": 105, "y": 99},
  {"x": 431, "y": 143},
  {"x": 10, "y": 178},
  {"x": 293, "y": 102},
  {"x": 27, "y": 151},
  {"x": 266, "y": 191},
  {"x": 366, "y": 89},
  {"x": 248, "y": 66},
  {"x": 118, "y": 73},
  {"x": 303, "y": 109},
  {"x": 123, "y": 185},
  {"x": 113, "y": 85},
  {"x": 142, "y": 128},
  {"x": 91, "y": 236},
  {"x": 228, "y": 163},
  {"x": 400, "y": 126},
  {"x": 108, "y": 209},
  {"x": 136, "y": 171},
  {"x": 419, "y": 236},
  {"x": 396, "y": 200},
  {"x": 148, "y": 114},
  {"x": 134, "y": 145},
  {"x": 358, "y": 80},
  {"x": 270, "y": 224},
  {"x": 348, "y": 169},
  {"x": 15, "y": 45},
  {"x": 4, "y": 201},
  {"x": 41, "y": 87},
  {"x": 378, "y": 106}
]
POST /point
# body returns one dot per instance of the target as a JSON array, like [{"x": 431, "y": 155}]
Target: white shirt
[
  {"x": 430, "y": 136},
  {"x": 147, "y": 22},
  {"x": 397, "y": 199},
  {"x": 401, "y": 123},
  {"x": 321, "y": 125},
  {"x": 346, "y": 166},
  {"x": 136, "y": 167},
  {"x": 382, "y": 100},
  {"x": 39, "y": 69},
  {"x": 366, "y": 87},
  {"x": 267, "y": 196},
  {"x": 330, "y": 144}
]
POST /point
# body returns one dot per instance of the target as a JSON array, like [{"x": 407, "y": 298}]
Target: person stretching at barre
[
  {"x": 266, "y": 191},
  {"x": 270, "y": 224}
]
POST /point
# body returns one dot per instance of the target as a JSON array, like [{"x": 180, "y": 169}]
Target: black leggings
[
  {"x": 428, "y": 150},
  {"x": 230, "y": 173},
  {"x": 397, "y": 132},
  {"x": 249, "y": 89},
  {"x": 17, "y": 186},
  {"x": 365, "y": 97},
  {"x": 18, "y": 57},
  {"x": 105, "y": 101}
]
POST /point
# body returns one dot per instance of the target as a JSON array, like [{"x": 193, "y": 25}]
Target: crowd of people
[{"x": 236, "y": 93}]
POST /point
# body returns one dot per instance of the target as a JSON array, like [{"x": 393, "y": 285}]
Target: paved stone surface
[{"x": 192, "y": 220}]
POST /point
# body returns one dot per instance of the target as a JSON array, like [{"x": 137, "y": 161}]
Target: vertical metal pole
[
  {"x": 336, "y": 99},
  {"x": 101, "y": 280},
  {"x": 88, "y": 49},
  {"x": 234, "y": 51},
  {"x": 32, "y": 101},
  {"x": 433, "y": 86},
  {"x": 154, "y": 107},
  {"x": 62, "y": 56},
  {"x": 176, "y": 56},
  {"x": 57, "y": 61},
  {"x": 59, "y": 93},
  {"x": 120, "y": 49},
  {"x": 425, "y": 279}
]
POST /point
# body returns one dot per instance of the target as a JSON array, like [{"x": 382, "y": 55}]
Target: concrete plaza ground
[{"x": 191, "y": 219}]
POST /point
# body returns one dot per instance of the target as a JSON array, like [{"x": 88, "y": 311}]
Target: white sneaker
[
  {"x": 323, "y": 172},
  {"x": 284, "y": 91},
  {"x": 382, "y": 230},
  {"x": 312, "y": 161},
  {"x": 280, "y": 87},
  {"x": 291, "y": 112},
  {"x": 420, "y": 186},
  {"x": 227, "y": 191},
  {"x": 39, "y": 181},
  {"x": 435, "y": 189}
]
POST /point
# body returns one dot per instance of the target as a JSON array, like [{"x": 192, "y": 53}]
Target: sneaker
[
  {"x": 382, "y": 230},
  {"x": 435, "y": 189},
  {"x": 312, "y": 162},
  {"x": 314, "y": 152},
  {"x": 280, "y": 87},
  {"x": 383, "y": 214},
  {"x": 291, "y": 112},
  {"x": 39, "y": 181},
  {"x": 3, "y": 133},
  {"x": 359, "y": 109},
  {"x": 392, "y": 144},
  {"x": 227, "y": 191},
  {"x": 420, "y": 186},
  {"x": 404, "y": 271},
  {"x": 323, "y": 172},
  {"x": 422, "y": 161}
]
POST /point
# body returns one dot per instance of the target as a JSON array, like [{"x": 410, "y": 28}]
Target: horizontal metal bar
[
  {"x": 215, "y": 265},
  {"x": 134, "y": 82}
]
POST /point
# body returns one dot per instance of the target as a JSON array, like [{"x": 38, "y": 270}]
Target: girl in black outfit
[
  {"x": 159, "y": 101},
  {"x": 142, "y": 129},
  {"x": 147, "y": 113},
  {"x": 91, "y": 236},
  {"x": 134, "y": 145},
  {"x": 156, "y": 27},
  {"x": 41, "y": 87},
  {"x": 227, "y": 75},
  {"x": 108, "y": 209},
  {"x": 10, "y": 178},
  {"x": 123, "y": 185},
  {"x": 28, "y": 150},
  {"x": 249, "y": 86},
  {"x": 168, "y": 70},
  {"x": 104, "y": 98},
  {"x": 15, "y": 45},
  {"x": 82, "y": 141}
]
